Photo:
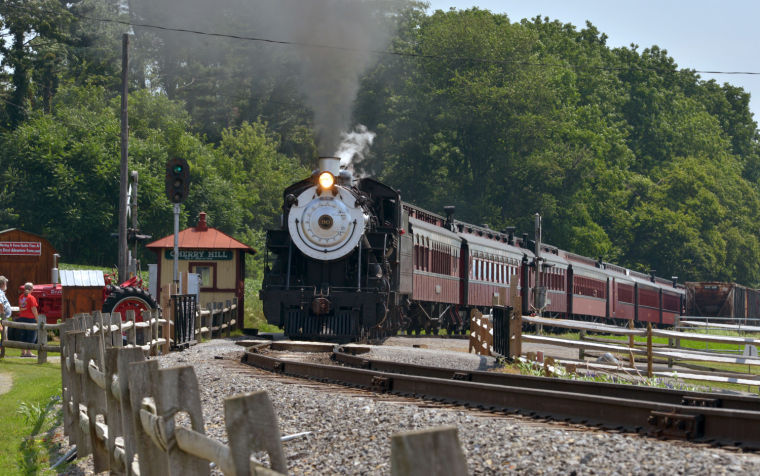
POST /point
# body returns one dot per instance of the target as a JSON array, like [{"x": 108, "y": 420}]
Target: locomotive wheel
[{"x": 130, "y": 298}]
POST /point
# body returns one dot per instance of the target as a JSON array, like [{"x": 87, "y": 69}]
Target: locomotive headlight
[{"x": 326, "y": 180}]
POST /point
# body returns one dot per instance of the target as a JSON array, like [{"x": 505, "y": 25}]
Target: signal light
[{"x": 177, "y": 180}]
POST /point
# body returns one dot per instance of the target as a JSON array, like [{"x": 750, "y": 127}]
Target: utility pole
[
  {"x": 123, "y": 274},
  {"x": 135, "y": 225},
  {"x": 540, "y": 294},
  {"x": 176, "y": 249}
]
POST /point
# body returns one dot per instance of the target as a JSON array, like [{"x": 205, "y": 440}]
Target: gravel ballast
[{"x": 351, "y": 434}]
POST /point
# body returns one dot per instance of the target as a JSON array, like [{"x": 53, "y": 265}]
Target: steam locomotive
[{"x": 351, "y": 261}]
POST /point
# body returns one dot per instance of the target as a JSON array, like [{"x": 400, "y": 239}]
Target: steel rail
[
  {"x": 348, "y": 356},
  {"x": 721, "y": 426}
]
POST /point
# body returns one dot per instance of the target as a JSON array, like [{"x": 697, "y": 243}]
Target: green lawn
[
  {"x": 254, "y": 312},
  {"x": 28, "y": 415}
]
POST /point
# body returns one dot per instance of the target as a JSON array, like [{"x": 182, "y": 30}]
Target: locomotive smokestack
[
  {"x": 330, "y": 164},
  {"x": 510, "y": 230},
  {"x": 449, "y": 209}
]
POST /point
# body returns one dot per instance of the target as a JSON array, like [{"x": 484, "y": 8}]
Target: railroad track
[{"x": 717, "y": 419}]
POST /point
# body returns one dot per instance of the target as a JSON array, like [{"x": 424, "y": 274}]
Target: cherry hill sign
[
  {"x": 21, "y": 248},
  {"x": 200, "y": 255}
]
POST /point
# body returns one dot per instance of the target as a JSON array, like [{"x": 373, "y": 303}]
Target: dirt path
[{"x": 6, "y": 381}]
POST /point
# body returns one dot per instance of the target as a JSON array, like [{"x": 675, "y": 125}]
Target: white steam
[{"x": 354, "y": 146}]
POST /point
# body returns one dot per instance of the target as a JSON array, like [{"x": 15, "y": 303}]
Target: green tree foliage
[
  {"x": 626, "y": 156},
  {"x": 61, "y": 172}
]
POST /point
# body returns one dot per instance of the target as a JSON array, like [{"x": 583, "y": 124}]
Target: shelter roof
[
  {"x": 202, "y": 237},
  {"x": 81, "y": 278}
]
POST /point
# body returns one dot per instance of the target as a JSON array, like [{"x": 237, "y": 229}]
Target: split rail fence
[
  {"x": 482, "y": 340},
  {"x": 150, "y": 332},
  {"x": 673, "y": 353},
  {"x": 154, "y": 333},
  {"x": 137, "y": 419},
  {"x": 219, "y": 318}
]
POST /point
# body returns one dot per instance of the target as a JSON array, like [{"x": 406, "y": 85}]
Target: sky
[{"x": 698, "y": 34}]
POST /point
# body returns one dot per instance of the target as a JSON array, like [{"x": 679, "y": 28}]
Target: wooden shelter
[
  {"x": 24, "y": 257},
  {"x": 218, "y": 258},
  {"x": 82, "y": 291}
]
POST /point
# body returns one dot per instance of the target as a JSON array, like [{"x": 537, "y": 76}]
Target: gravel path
[{"x": 351, "y": 434}]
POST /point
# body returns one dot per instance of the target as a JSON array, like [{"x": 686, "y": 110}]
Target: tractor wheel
[{"x": 130, "y": 298}]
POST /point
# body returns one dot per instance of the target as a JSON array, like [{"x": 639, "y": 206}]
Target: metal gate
[
  {"x": 185, "y": 308},
  {"x": 507, "y": 331}
]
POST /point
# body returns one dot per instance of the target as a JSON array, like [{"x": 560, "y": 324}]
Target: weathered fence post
[
  {"x": 84, "y": 445},
  {"x": 424, "y": 452},
  {"x": 147, "y": 331},
  {"x": 3, "y": 337},
  {"x": 42, "y": 339},
  {"x": 117, "y": 339},
  {"x": 198, "y": 323},
  {"x": 142, "y": 378},
  {"x": 677, "y": 327},
  {"x": 67, "y": 374},
  {"x": 157, "y": 330},
  {"x": 172, "y": 390},
  {"x": 228, "y": 318},
  {"x": 649, "y": 350},
  {"x": 132, "y": 331},
  {"x": 125, "y": 357},
  {"x": 92, "y": 361},
  {"x": 252, "y": 426},
  {"x": 631, "y": 345},
  {"x": 581, "y": 350},
  {"x": 238, "y": 323},
  {"x": 210, "y": 326},
  {"x": 113, "y": 404},
  {"x": 167, "y": 331}
]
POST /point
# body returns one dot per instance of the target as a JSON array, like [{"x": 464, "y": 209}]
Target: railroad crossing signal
[{"x": 177, "y": 179}]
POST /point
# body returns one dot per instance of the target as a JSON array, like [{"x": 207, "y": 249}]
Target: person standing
[
  {"x": 27, "y": 312},
  {"x": 5, "y": 305}
]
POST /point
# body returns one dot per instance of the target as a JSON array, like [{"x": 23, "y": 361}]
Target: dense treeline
[{"x": 626, "y": 156}]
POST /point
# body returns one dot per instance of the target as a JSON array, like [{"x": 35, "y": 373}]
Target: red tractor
[{"x": 129, "y": 295}]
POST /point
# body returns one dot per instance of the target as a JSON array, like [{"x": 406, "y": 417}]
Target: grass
[
  {"x": 254, "y": 311},
  {"x": 28, "y": 416}
]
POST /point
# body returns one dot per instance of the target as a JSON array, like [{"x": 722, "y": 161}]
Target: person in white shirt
[{"x": 5, "y": 305}]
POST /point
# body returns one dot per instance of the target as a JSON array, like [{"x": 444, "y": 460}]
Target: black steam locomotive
[
  {"x": 338, "y": 270},
  {"x": 351, "y": 261}
]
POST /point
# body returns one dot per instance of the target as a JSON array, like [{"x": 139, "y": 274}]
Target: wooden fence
[
  {"x": 216, "y": 318},
  {"x": 151, "y": 332},
  {"x": 42, "y": 347},
  {"x": 154, "y": 332},
  {"x": 137, "y": 419},
  {"x": 673, "y": 352}
]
